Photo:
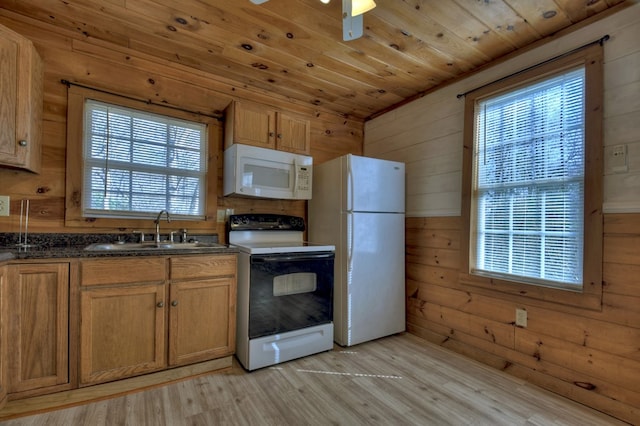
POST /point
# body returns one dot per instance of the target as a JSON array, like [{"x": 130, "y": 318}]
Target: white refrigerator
[{"x": 358, "y": 205}]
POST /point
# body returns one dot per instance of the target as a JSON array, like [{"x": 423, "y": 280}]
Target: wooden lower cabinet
[
  {"x": 202, "y": 312},
  {"x": 37, "y": 326},
  {"x": 200, "y": 320},
  {"x": 122, "y": 332},
  {"x": 130, "y": 326}
]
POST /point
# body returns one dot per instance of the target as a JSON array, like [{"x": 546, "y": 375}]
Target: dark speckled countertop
[{"x": 58, "y": 246}]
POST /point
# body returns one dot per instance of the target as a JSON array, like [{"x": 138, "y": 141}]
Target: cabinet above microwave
[
  {"x": 251, "y": 171},
  {"x": 250, "y": 123}
]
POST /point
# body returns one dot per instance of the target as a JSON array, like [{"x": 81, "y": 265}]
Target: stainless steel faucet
[{"x": 157, "y": 222}]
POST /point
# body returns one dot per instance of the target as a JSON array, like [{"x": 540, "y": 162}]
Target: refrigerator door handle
[
  {"x": 349, "y": 210},
  {"x": 350, "y": 186},
  {"x": 350, "y": 232}
]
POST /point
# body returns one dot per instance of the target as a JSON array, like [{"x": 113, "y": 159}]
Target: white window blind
[
  {"x": 528, "y": 189},
  {"x": 138, "y": 163}
]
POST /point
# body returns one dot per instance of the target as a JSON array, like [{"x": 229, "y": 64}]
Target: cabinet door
[
  {"x": 122, "y": 332},
  {"x": 38, "y": 325},
  {"x": 251, "y": 124},
  {"x": 21, "y": 93},
  {"x": 294, "y": 134},
  {"x": 8, "y": 88},
  {"x": 201, "y": 320}
]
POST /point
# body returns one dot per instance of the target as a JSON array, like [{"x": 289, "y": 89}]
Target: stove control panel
[{"x": 265, "y": 222}]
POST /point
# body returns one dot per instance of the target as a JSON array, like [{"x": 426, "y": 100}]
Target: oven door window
[{"x": 290, "y": 291}]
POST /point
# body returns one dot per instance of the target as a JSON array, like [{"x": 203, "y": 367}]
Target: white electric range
[{"x": 285, "y": 290}]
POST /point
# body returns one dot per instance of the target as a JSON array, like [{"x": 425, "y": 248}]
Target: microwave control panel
[{"x": 304, "y": 179}]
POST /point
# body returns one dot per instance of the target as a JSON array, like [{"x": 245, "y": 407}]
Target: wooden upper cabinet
[
  {"x": 21, "y": 97},
  {"x": 38, "y": 325},
  {"x": 250, "y": 124},
  {"x": 294, "y": 133},
  {"x": 260, "y": 125}
]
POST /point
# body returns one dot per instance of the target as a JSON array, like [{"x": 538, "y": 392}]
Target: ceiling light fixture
[
  {"x": 352, "y": 11},
  {"x": 358, "y": 7}
]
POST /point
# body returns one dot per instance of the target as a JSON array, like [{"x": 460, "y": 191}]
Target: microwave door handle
[{"x": 295, "y": 178}]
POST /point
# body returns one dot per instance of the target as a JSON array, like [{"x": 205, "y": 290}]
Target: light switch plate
[
  {"x": 220, "y": 215},
  {"x": 4, "y": 205}
]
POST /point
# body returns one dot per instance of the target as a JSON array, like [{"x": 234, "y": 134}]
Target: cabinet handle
[
  {"x": 271, "y": 134},
  {"x": 279, "y": 135},
  {"x": 174, "y": 303},
  {"x": 22, "y": 142},
  {"x": 160, "y": 305}
]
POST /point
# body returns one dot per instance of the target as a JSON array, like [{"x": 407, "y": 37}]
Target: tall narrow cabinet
[
  {"x": 37, "y": 326},
  {"x": 21, "y": 98},
  {"x": 3, "y": 340}
]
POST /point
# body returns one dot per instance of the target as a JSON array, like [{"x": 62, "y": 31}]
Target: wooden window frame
[
  {"x": 74, "y": 170},
  {"x": 590, "y": 296}
]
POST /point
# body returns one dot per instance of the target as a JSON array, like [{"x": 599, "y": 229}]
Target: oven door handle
[{"x": 288, "y": 258}]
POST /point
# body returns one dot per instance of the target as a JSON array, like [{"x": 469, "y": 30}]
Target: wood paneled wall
[
  {"x": 117, "y": 69},
  {"x": 592, "y": 357},
  {"x": 589, "y": 356}
]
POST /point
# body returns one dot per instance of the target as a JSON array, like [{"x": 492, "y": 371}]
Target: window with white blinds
[
  {"x": 527, "y": 204},
  {"x": 137, "y": 163}
]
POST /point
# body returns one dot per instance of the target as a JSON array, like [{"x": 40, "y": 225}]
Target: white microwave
[{"x": 251, "y": 171}]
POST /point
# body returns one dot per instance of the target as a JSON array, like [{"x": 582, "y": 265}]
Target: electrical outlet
[
  {"x": 4, "y": 205},
  {"x": 616, "y": 159},
  {"x": 521, "y": 317}
]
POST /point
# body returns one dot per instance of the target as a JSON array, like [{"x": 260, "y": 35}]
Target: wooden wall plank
[
  {"x": 616, "y": 279},
  {"x": 622, "y": 249},
  {"x": 624, "y": 372},
  {"x": 626, "y": 224}
]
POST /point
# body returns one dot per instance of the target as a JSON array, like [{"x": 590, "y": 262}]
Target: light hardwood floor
[{"x": 399, "y": 380}]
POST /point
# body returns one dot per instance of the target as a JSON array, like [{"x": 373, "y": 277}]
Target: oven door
[{"x": 290, "y": 291}]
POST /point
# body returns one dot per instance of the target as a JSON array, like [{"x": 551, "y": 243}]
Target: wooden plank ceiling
[{"x": 294, "y": 48}]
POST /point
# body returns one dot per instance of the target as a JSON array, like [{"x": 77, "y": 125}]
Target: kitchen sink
[{"x": 149, "y": 246}]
